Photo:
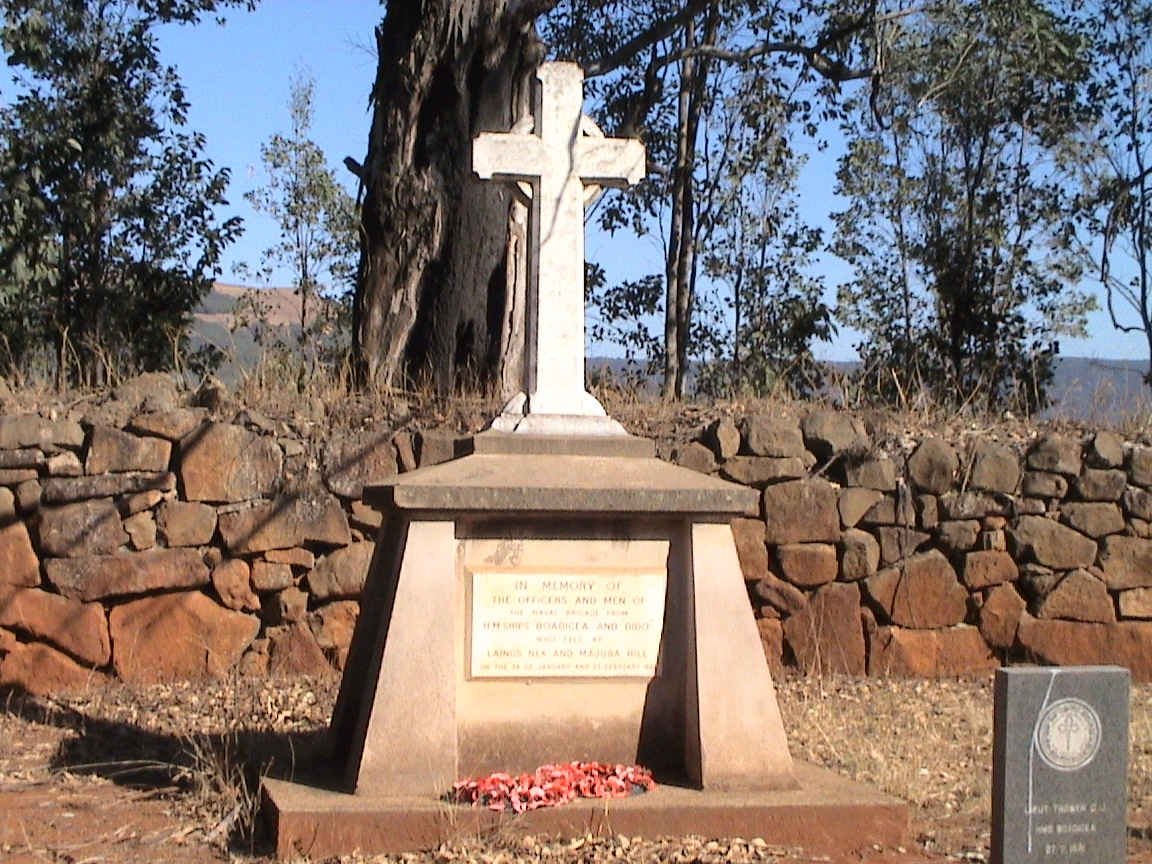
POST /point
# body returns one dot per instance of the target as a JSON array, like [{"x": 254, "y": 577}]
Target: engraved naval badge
[{"x": 1068, "y": 734}]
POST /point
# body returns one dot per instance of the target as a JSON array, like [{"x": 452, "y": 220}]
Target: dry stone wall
[
  {"x": 938, "y": 559},
  {"x": 148, "y": 540}
]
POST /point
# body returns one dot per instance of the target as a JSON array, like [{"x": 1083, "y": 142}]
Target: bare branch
[
  {"x": 834, "y": 70},
  {"x": 643, "y": 41}
]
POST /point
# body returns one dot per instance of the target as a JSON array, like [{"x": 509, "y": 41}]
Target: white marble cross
[{"x": 564, "y": 153}]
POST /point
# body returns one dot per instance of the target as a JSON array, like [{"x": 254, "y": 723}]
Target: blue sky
[{"x": 237, "y": 79}]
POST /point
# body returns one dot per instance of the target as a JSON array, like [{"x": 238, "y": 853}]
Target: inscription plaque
[
  {"x": 1060, "y": 756},
  {"x": 540, "y": 624}
]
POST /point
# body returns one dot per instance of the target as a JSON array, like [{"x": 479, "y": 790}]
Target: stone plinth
[
  {"x": 825, "y": 813},
  {"x": 543, "y": 601}
]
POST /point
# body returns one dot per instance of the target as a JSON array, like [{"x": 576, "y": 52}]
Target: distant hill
[
  {"x": 215, "y": 323},
  {"x": 1083, "y": 389}
]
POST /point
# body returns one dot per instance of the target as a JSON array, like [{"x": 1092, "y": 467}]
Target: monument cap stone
[{"x": 1060, "y": 761}]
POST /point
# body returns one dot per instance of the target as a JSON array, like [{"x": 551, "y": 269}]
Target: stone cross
[{"x": 563, "y": 154}]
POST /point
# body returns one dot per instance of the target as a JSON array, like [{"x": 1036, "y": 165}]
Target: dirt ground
[{"x": 168, "y": 773}]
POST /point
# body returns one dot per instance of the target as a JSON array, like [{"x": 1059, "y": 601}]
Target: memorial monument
[{"x": 560, "y": 594}]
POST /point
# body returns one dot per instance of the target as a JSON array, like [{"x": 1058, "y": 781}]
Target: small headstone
[{"x": 1060, "y": 764}]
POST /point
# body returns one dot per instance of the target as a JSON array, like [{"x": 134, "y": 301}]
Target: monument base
[{"x": 826, "y": 815}]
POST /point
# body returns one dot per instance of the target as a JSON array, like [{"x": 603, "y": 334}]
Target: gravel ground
[{"x": 170, "y": 771}]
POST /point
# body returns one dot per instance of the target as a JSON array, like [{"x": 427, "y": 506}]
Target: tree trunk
[
  {"x": 680, "y": 269},
  {"x": 437, "y": 298}
]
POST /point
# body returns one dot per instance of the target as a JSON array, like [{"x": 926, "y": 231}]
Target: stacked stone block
[
  {"x": 939, "y": 559},
  {"x": 182, "y": 545}
]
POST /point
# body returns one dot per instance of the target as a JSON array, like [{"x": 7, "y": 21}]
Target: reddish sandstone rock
[
  {"x": 364, "y": 518},
  {"x": 801, "y": 511},
  {"x": 922, "y": 593},
  {"x": 1126, "y": 562},
  {"x": 933, "y": 465},
  {"x": 897, "y": 543},
  {"x": 64, "y": 490},
  {"x": 177, "y": 636},
  {"x": 1099, "y": 484},
  {"x": 8, "y": 641},
  {"x": 293, "y": 652},
  {"x": 114, "y": 451},
  {"x": 772, "y": 641},
  {"x": 889, "y": 511},
  {"x": 1137, "y": 503},
  {"x": 1079, "y": 596},
  {"x": 1140, "y": 466},
  {"x": 807, "y": 564},
  {"x": 1136, "y": 603},
  {"x": 435, "y": 446},
  {"x": 186, "y": 523},
  {"x": 341, "y": 574},
  {"x": 955, "y": 652},
  {"x": 405, "y": 450},
  {"x": 871, "y": 473},
  {"x": 995, "y": 468},
  {"x": 695, "y": 457},
  {"x": 1105, "y": 450},
  {"x": 220, "y": 462},
  {"x": 975, "y": 505},
  {"x": 853, "y": 504},
  {"x": 18, "y": 562},
  {"x": 1071, "y": 643},
  {"x": 1000, "y": 616},
  {"x": 1047, "y": 542},
  {"x": 333, "y": 626},
  {"x": 113, "y": 575},
  {"x": 271, "y": 525},
  {"x": 361, "y": 459},
  {"x": 322, "y": 518},
  {"x": 80, "y": 629},
  {"x": 784, "y": 598},
  {"x": 829, "y": 433},
  {"x": 85, "y": 528},
  {"x": 32, "y": 430},
  {"x": 859, "y": 555},
  {"x": 287, "y": 606},
  {"x": 759, "y": 471},
  {"x": 1059, "y": 454},
  {"x": 750, "y": 548},
  {"x": 826, "y": 636},
  {"x": 232, "y": 580},
  {"x": 772, "y": 435},
  {"x": 958, "y": 536},
  {"x": 1094, "y": 519},
  {"x": 170, "y": 425},
  {"x": 141, "y": 529},
  {"x": 270, "y": 576},
  {"x": 43, "y": 671},
  {"x": 1041, "y": 484},
  {"x": 130, "y": 505},
  {"x": 297, "y": 557},
  {"x": 723, "y": 437},
  {"x": 986, "y": 568}
]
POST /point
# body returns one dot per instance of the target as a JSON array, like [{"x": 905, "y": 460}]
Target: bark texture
[{"x": 438, "y": 298}]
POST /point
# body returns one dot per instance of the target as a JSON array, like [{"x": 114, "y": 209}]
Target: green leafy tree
[
  {"x": 316, "y": 219},
  {"x": 108, "y": 237},
  {"x": 963, "y": 283},
  {"x": 440, "y": 283},
  {"x": 1112, "y": 164},
  {"x": 706, "y": 88}
]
